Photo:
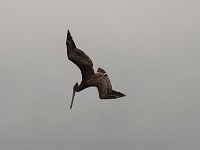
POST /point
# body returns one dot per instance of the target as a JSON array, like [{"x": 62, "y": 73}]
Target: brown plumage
[{"x": 89, "y": 77}]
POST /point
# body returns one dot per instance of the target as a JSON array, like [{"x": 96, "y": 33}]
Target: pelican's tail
[{"x": 114, "y": 94}]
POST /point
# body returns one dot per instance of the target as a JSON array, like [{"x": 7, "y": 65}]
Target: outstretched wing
[{"x": 79, "y": 58}]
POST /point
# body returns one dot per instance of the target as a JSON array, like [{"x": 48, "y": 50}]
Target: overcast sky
[{"x": 150, "y": 50}]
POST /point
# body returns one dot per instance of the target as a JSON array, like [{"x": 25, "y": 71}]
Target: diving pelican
[{"x": 89, "y": 77}]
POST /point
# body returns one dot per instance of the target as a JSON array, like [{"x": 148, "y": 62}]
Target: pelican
[{"x": 89, "y": 77}]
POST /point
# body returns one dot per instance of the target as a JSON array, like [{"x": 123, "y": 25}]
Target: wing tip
[
  {"x": 70, "y": 40},
  {"x": 68, "y": 34},
  {"x": 117, "y": 94}
]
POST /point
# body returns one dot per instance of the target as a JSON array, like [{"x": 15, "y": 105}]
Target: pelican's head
[{"x": 75, "y": 89}]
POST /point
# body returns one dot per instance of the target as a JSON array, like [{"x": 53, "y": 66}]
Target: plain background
[{"x": 150, "y": 50}]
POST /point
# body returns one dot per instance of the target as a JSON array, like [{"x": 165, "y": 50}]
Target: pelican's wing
[
  {"x": 79, "y": 58},
  {"x": 104, "y": 92},
  {"x": 106, "y": 78},
  {"x": 105, "y": 86}
]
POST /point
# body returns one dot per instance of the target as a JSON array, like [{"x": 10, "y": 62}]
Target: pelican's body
[{"x": 89, "y": 77}]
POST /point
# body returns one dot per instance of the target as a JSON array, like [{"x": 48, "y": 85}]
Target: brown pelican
[{"x": 89, "y": 77}]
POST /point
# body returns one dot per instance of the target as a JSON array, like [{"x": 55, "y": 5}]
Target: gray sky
[{"x": 149, "y": 48}]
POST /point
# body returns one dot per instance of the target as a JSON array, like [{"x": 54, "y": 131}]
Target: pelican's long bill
[{"x": 72, "y": 98}]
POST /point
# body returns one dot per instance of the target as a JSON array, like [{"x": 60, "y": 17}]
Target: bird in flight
[{"x": 89, "y": 77}]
